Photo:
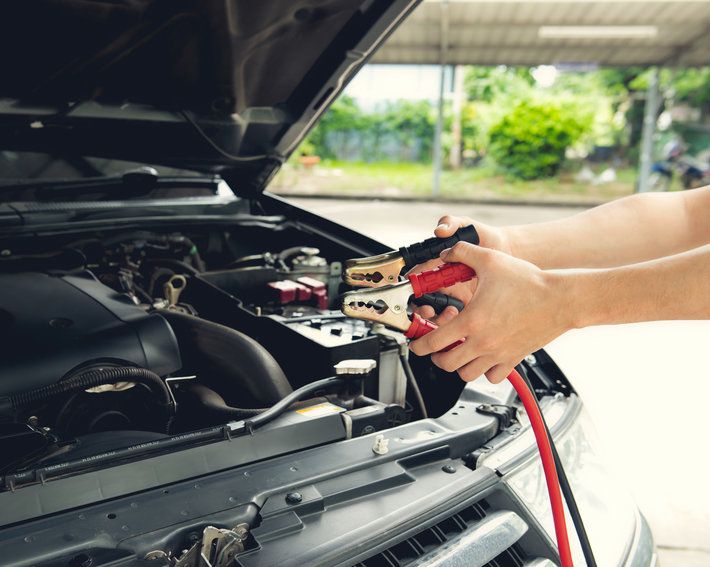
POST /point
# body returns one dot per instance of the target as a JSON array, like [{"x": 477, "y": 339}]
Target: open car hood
[{"x": 227, "y": 86}]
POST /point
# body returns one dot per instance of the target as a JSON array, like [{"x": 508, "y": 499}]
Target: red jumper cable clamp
[{"x": 388, "y": 304}]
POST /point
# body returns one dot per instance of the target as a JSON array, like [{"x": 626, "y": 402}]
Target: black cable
[
  {"x": 564, "y": 484},
  {"x": 413, "y": 384},
  {"x": 281, "y": 406}
]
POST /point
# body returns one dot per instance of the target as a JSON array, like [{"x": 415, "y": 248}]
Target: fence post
[{"x": 438, "y": 149}]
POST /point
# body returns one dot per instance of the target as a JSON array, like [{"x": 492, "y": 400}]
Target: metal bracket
[{"x": 504, "y": 414}]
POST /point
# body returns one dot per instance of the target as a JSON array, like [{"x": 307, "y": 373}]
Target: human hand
[
  {"x": 514, "y": 309},
  {"x": 490, "y": 237}
]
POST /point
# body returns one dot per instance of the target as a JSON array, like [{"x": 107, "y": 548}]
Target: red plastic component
[
  {"x": 286, "y": 291},
  {"x": 419, "y": 327},
  {"x": 318, "y": 290},
  {"x": 438, "y": 278}
]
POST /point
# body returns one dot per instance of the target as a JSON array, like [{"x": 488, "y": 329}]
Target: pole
[
  {"x": 438, "y": 150},
  {"x": 456, "y": 109},
  {"x": 650, "y": 117}
]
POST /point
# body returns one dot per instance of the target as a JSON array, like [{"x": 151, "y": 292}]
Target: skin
[{"x": 646, "y": 257}]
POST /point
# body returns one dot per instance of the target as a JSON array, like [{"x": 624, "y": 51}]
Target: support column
[
  {"x": 456, "y": 110},
  {"x": 650, "y": 117},
  {"x": 438, "y": 149}
]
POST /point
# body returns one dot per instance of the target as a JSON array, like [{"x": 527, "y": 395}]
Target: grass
[{"x": 415, "y": 180}]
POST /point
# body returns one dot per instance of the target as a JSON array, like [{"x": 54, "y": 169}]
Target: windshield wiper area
[{"x": 141, "y": 183}]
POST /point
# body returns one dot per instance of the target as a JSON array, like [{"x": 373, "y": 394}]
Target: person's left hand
[{"x": 515, "y": 308}]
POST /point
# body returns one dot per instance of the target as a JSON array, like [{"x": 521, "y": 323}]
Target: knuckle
[{"x": 446, "y": 364}]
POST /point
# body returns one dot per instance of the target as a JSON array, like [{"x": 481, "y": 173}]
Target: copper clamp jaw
[
  {"x": 373, "y": 271},
  {"x": 386, "y": 305}
]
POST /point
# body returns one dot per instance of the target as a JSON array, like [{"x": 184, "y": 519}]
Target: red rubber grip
[
  {"x": 441, "y": 277},
  {"x": 421, "y": 327}
]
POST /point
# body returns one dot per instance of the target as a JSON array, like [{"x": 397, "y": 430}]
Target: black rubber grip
[
  {"x": 431, "y": 248},
  {"x": 439, "y": 301}
]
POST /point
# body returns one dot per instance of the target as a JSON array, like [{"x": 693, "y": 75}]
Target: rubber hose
[
  {"x": 211, "y": 402},
  {"x": 93, "y": 378},
  {"x": 232, "y": 363}
]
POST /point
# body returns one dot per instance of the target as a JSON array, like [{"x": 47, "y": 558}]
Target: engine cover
[{"x": 53, "y": 324}]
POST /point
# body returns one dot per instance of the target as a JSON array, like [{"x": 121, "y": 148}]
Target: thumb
[
  {"x": 449, "y": 224},
  {"x": 470, "y": 254}
]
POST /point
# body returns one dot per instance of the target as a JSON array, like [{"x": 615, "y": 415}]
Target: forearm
[
  {"x": 630, "y": 230},
  {"x": 674, "y": 287}
]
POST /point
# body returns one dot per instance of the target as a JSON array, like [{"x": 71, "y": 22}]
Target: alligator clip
[
  {"x": 385, "y": 269},
  {"x": 388, "y": 304}
]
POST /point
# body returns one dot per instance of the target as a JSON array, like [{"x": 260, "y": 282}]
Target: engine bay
[{"x": 124, "y": 337}]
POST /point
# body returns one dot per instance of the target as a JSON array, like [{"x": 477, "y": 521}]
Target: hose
[
  {"x": 230, "y": 362},
  {"x": 91, "y": 379},
  {"x": 579, "y": 527},
  {"x": 211, "y": 402},
  {"x": 537, "y": 423},
  {"x": 280, "y": 407},
  {"x": 413, "y": 383}
]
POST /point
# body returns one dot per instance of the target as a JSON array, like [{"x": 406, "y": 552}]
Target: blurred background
[
  {"x": 525, "y": 111},
  {"x": 572, "y": 101}
]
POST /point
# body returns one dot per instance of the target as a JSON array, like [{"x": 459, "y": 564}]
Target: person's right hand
[{"x": 490, "y": 237}]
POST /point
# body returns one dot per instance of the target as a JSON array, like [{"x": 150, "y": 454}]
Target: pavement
[{"x": 646, "y": 386}]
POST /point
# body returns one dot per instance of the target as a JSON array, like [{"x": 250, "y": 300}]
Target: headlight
[{"x": 609, "y": 513}]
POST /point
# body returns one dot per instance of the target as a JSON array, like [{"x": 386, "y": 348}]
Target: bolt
[
  {"x": 450, "y": 469},
  {"x": 381, "y": 445},
  {"x": 294, "y": 498},
  {"x": 531, "y": 360}
]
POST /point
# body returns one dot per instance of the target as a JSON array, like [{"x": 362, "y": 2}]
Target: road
[{"x": 646, "y": 386}]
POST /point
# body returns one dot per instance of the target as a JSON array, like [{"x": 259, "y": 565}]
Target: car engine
[{"x": 127, "y": 337}]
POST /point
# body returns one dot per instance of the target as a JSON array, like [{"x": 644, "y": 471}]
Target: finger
[
  {"x": 456, "y": 358},
  {"x": 469, "y": 254},
  {"x": 438, "y": 339},
  {"x": 499, "y": 373},
  {"x": 425, "y": 311},
  {"x": 446, "y": 315},
  {"x": 448, "y": 225},
  {"x": 475, "y": 368}
]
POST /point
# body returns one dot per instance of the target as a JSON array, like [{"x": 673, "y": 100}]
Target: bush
[{"x": 530, "y": 141}]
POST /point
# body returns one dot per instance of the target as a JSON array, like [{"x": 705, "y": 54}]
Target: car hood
[{"x": 227, "y": 86}]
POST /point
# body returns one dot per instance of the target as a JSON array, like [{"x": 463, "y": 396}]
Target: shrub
[{"x": 530, "y": 141}]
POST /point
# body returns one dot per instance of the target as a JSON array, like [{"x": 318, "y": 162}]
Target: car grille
[{"x": 414, "y": 549}]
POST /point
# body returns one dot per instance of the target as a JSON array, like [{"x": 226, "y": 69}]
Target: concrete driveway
[{"x": 647, "y": 386}]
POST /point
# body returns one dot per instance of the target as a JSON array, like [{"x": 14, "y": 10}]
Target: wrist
[{"x": 571, "y": 298}]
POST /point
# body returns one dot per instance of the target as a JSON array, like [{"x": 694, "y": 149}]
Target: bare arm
[
  {"x": 626, "y": 231},
  {"x": 516, "y": 308}
]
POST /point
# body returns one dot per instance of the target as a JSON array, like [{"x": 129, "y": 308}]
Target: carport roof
[{"x": 534, "y": 32}]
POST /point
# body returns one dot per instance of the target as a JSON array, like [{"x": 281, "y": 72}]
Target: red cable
[{"x": 548, "y": 465}]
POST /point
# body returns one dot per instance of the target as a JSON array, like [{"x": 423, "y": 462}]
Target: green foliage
[
  {"x": 487, "y": 84},
  {"x": 692, "y": 86},
  {"x": 530, "y": 141},
  {"x": 345, "y": 127}
]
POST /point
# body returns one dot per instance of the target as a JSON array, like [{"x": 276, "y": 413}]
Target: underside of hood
[{"x": 226, "y": 85}]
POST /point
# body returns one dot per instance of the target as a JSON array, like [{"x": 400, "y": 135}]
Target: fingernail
[{"x": 443, "y": 225}]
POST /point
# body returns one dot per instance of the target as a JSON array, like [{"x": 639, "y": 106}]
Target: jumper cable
[{"x": 388, "y": 305}]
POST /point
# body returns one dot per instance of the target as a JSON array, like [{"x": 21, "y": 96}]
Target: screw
[
  {"x": 530, "y": 359},
  {"x": 294, "y": 498},
  {"x": 450, "y": 469},
  {"x": 396, "y": 308}
]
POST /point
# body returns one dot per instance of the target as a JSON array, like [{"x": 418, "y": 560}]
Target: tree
[{"x": 530, "y": 141}]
